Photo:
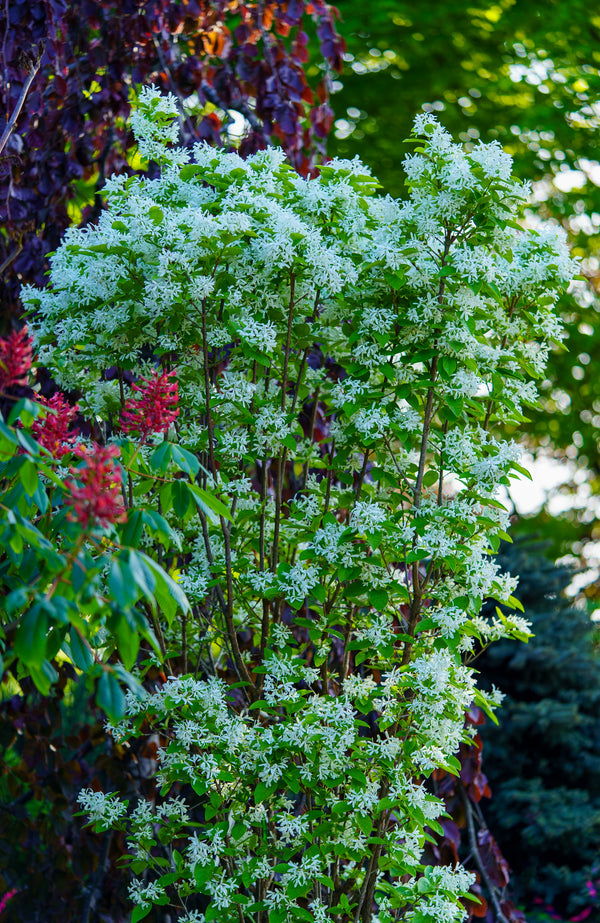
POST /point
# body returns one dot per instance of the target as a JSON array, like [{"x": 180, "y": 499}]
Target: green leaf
[
  {"x": 208, "y": 503},
  {"x": 138, "y": 913},
  {"x": 160, "y": 459},
  {"x": 186, "y": 461},
  {"x": 143, "y": 576},
  {"x": 28, "y": 476},
  {"x": 181, "y": 498},
  {"x": 15, "y": 600},
  {"x": 132, "y": 531},
  {"x": 365, "y": 823},
  {"x": 121, "y": 585},
  {"x": 454, "y": 406},
  {"x": 378, "y": 598},
  {"x": 128, "y": 642},
  {"x": 109, "y": 696},
  {"x": 168, "y": 593},
  {"x": 430, "y": 478},
  {"x": 262, "y": 792},
  {"x": 159, "y": 527},
  {"x": 79, "y": 652},
  {"x": 31, "y": 636},
  {"x": 8, "y": 441},
  {"x": 43, "y": 676}
]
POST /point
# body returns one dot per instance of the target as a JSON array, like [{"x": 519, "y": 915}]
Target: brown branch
[
  {"x": 240, "y": 666},
  {"x": 10, "y": 125},
  {"x": 500, "y": 918},
  {"x": 12, "y": 256}
]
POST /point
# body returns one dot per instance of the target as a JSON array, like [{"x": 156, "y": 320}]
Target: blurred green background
[{"x": 526, "y": 74}]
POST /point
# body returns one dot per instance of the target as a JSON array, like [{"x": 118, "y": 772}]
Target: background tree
[{"x": 523, "y": 73}]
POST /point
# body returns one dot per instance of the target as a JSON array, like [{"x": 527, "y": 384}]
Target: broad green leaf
[
  {"x": 186, "y": 461},
  {"x": 31, "y": 636},
  {"x": 121, "y": 585},
  {"x": 209, "y": 504},
  {"x": 28, "y": 476},
  {"x": 168, "y": 593},
  {"x": 79, "y": 652},
  {"x": 43, "y": 676},
  {"x": 109, "y": 696},
  {"x": 161, "y": 458}
]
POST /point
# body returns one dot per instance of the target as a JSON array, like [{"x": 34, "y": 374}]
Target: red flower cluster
[
  {"x": 52, "y": 431},
  {"x": 15, "y": 359},
  {"x": 95, "y": 492},
  {"x": 155, "y": 409}
]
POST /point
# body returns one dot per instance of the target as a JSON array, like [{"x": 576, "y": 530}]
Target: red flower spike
[
  {"x": 156, "y": 409},
  {"x": 95, "y": 491},
  {"x": 52, "y": 431},
  {"x": 15, "y": 359}
]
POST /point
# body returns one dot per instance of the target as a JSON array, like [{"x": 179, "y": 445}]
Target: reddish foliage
[
  {"x": 71, "y": 129},
  {"x": 58, "y": 866},
  {"x": 461, "y": 797}
]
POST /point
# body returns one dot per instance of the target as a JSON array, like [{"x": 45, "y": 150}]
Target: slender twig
[
  {"x": 500, "y": 918},
  {"x": 184, "y": 645},
  {"x": 283, "y": 455},
  {"x": 10, "y": 125},
  {"x": 428, "y": 416},
  {"x": 240, "y": 666},
  {"x": 173, "y": 86},
  {"x": 288, "y": 339},
  {"x": 12, "y": 256},
  {"x": 96, "y": 886},
  {"x": 503, "y": 343}
]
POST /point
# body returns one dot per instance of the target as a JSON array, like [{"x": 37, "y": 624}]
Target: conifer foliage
[{"x": 543, "y": 761}]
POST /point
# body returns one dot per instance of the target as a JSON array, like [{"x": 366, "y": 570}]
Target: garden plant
[{"x": 295, "y": 388}]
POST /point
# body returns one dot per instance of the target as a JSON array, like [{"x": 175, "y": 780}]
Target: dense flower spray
[
  {"x": 359, "y": 508},
  {"x": 155, "y": 409},
  {"x": 15, "y": 358},
  {"x": 52, "y": 431},
  {"x": 94, "y": 489}
]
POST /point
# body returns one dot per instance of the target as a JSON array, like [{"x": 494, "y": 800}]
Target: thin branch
[
  {"x": 238, "y": 106},
  {"x": 240, "y": 666},
  {"x": 10, "y": 125},
  {"x": 500, "y": 918},
  {"x": 96, "y": 886},
  {"x": 283, "y": 456},
  {"x": 12, "y": 256}
]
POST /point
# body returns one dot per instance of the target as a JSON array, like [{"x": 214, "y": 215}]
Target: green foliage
[
  {"x": 523, "y": 73},
  {"x": 79, "y": 588}
]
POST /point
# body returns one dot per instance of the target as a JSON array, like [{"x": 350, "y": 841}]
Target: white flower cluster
[
  {"x": 342, "y": 359},
  {"x": 102, "y": 809}
]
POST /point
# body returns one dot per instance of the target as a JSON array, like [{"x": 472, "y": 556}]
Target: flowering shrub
[{"x": 343, "y": 360}]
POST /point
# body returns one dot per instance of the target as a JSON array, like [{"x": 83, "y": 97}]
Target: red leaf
[{"x": 495, "y": 864}]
